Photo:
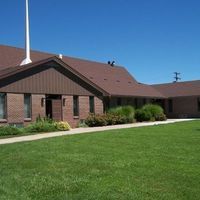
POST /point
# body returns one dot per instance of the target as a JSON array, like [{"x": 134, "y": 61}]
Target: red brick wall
[
  {"x": 83, "y": 107},
  {"x": 15, "y": 108},
  {"x": 98, "y": 105},
  {"x": 68, "y": 111},
  {"x": 37, "y": 108},
  {"x": 183, "y": 107}
]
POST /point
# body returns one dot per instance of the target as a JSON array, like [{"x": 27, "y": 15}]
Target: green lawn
[{"x": 160, "y": 162}]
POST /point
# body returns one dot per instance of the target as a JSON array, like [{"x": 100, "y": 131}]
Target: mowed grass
[{"x": 159, "y": 162}]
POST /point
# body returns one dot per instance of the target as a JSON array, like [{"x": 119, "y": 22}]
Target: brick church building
[{"x": 68, "y": 89}]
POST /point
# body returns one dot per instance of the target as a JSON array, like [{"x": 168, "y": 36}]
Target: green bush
[
  {"x": 38, "y": 127},
  {"x": 114, "y": 118},
  {"x": 150, "y": 112},
  {"x": 119, "y": 115},
  {"x": 10, "y": 130},
  {"x": 96, "y": 120},
  {"x": 143, "y": 115},
  {"x": 161, "y": 117},
  {"x": 47, "y": 125},
  {"x": 155, "y": 110},
  {"x": 82, "y": 124},
  {"x": 127, "y": 113}
]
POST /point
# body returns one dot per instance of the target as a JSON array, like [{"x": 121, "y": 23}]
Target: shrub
[
  {"x": 114, "y": 118},
  {"x": 150, "y": 112},
  {"x": 82, "y": 124},
  {"x": 127, "y": 113},
  {"x": 40, "y": 126},
  {"x": 47, "y": 125},
  {"x": 62, "y": 126},
  {"x": 156, "y": 111},
  {"x": 143, "y": 115},
  {"x": 96, "y": 120},
  {"x": 161, "y": 117},
  {"x": 10, "y": 130}
]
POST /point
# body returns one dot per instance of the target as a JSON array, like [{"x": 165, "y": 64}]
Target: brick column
[
  {"x": 15, "y": 108},
  {"x": 37, "y": 108},
  {"x": 83, "y": 107},
  {"x": 98, "y": 105}
]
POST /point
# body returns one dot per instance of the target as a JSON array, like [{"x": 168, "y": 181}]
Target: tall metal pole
[{"x": 27, "y": 60}]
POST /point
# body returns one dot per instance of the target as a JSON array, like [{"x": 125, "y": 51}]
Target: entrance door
[{"x": 54, "y": 107}]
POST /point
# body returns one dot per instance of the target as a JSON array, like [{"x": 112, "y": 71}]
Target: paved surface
[{"x": 84, "y": 130}]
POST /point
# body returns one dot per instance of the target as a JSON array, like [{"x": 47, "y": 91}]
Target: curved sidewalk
[{"x": 84, "y": 130}]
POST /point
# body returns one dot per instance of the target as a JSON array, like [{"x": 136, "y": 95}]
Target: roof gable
[{"x": 65, "y": 80}]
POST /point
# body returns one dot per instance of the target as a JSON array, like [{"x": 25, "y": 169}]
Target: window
[
  {"x": 91, "y": 104},
  {"x": 170, "y": 105},
  {"x": 27, "y": 106},
  {"x": 119, "y": 101},
  {"x": 198, "y": 104},
  {"x": 2, "y": 105},
  {"x": 76, "y": 106}
]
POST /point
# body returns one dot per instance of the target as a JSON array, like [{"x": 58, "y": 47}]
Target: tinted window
[
  {"x": 75, "y": 106},
  {"x": 2, "y": 105},
  {"x": 91, "y": 104},
  {"x": 170, "y": 105},
  {"x": 27, "y": 106}
]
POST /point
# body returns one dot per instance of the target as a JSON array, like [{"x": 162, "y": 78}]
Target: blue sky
[{"x": 151, "y": 38}]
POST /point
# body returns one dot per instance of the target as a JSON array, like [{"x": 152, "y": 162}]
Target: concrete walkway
[{"x": 84, "y": 130}]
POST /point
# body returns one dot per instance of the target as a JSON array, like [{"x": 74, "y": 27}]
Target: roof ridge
[
  {"x": 64, "y": 56},
  {"x": 175, "y": 82}
]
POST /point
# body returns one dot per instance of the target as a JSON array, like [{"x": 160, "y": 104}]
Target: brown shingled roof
[
  {"x": 179, "y": 89},
  {"x": 114, "y": 80}
]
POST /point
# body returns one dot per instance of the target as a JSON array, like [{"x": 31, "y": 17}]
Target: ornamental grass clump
[
  {"x": 150, "y": 112},
  {"x": 126, "y": 112},
  {"x": 155, "y": 110},
  {"x": 143, "y": 115}
]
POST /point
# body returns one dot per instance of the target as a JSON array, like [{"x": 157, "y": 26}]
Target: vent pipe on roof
[
  {"x": 27, "y": 60},
  {"x": 111, "y": 63},
  {"x": 60, "y": 56}
]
